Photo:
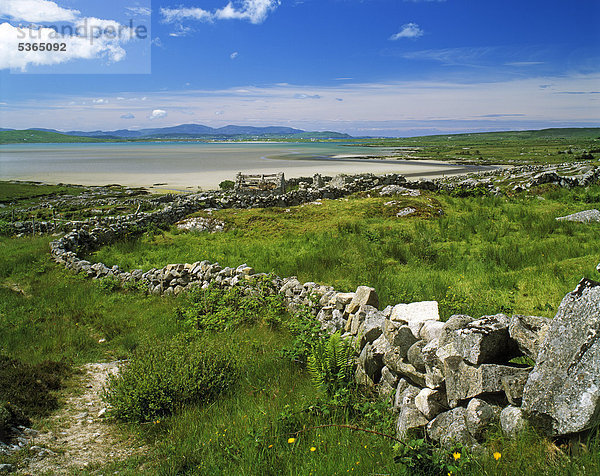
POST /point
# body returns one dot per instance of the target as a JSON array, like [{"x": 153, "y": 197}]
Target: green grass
[
  {"x": 482, "y": 256},
  {"x": 32, "y": 137},
  {"x": 13, "y": 191}
]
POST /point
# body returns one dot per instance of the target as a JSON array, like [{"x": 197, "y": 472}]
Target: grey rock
[
  {"x": 415, "y": 355},
  {"x": 466, "y": 381},
  {"x": 399, "y": 336},
  {"x": 512, "y": 421},
  {"x": 514, "y": 386},
  {"x": 480, "y": 341},
  {"x": 431, "y": 402},
  {"x": 529, "y": 332},
  {"x": 403, "y": 368},
  {"x": 370, "y": 329},
  {"x": 403, "y": 384},
  {"x": 562, "y": 394},
  {"x": 390, "y": 377},
  {"x": 364, "y": 296},
  {"x": 372, "y": 362},
  {"x": 480, "y": 415},
  {"x": 450, "y": 429},
  {"x": 431, "y": 330},
  {"x": 415, "y": 314},
  {"x": 410, "y": 417},
  {"x": 362, "y": 378},
  {"x": 585, "y": 216}
]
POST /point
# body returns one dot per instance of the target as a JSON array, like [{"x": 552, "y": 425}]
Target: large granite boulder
[{"x": 562, "y": 394}]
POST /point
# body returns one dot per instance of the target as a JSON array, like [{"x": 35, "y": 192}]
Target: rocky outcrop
[{"x": 562, "y": 394}]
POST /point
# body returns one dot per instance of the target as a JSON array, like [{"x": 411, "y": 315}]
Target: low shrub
[
  {"x": 227, "y": 185},
  {"x": 217, "y": 309},
  {"x": 162, "y": 377}
]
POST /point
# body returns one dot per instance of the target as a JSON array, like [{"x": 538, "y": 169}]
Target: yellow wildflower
[
  {"x": 270, "y": 446},
  {"x": 291, "y": 440},
  {"x": 456, "y": 455},
  {"x": 497, "y": 455},
  {"x": 312, "y": 448}
]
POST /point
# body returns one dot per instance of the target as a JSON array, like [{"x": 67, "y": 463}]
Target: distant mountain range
[{"x": 198, "y": 131}]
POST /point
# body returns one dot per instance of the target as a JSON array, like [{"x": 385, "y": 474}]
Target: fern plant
[{"x": 331, "y": 363}]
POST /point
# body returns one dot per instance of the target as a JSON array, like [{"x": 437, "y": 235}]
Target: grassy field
[
  {"x": 35, "y": 137},
  {"x": 519, "y": 147},
  {"x": 479, "y": 256},
  {"x": 475, "y": 255}
]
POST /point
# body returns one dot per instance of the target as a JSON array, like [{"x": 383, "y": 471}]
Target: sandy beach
[{"x": 187, "y": 167}]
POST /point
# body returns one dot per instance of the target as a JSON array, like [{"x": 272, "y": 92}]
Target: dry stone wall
[{"x": 451, "y": 379}]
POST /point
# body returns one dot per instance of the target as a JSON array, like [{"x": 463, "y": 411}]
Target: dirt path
[{"x": 78, "y": 436}]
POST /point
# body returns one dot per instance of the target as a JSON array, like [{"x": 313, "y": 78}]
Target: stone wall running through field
[{"x": 453, "y": 379}]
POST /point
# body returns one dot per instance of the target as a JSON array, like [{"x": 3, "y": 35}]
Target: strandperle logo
[{"x": 96, "y": 38}]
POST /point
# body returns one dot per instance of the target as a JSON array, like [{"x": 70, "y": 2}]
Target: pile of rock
[
  {"x": 201, "y": 224},
  {"x": 454, "y": 379}
]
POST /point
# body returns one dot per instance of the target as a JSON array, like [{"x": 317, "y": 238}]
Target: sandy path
[{"x": 79, "y": 437}]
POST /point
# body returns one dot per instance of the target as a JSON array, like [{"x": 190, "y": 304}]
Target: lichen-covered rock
[
  {"x": 410, "y": 417},
  {"x": 480, "y": 415},
  {"x": 512, "y": 421},
  {"x": 562, "y": 394},
  {"x": 431, "y": 402},
  {"x": 466, "y": 381},
  {"x": 483, "y": 340},
  {"x": 529, "y": 332},
  {"x": 450, "y": 429},
  {"x": 399, "y": 336},
  {"x": 415, "y": 355},
  {"x": 513, "y": 386}
]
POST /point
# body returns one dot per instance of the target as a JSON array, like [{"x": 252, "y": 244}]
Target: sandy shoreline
[{"x": 207, "y": 180}]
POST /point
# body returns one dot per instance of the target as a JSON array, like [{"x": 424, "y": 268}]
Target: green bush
[
  {"x": 227, "y": 185},
  {"x": 217, "y": 309},
  {"x": 162, "y": 377}
]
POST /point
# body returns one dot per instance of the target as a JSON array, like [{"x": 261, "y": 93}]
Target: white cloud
[
  {"x": 142, "y": 11},
  {"x": 157, "y": 42},
  {"x": 306, "y": 96},
  {"x": 234, "y": 55},
  {"x": 100, "y": 101},
  {"x": 254, "y": 11},
  {"x": 157, "y": 114},
  {"x": 127, "y": 116},
  {"x": 409, "y": 30},
  {"x": 171, "y": 15},
  {"x": 77, "y": 47},
  {"x": 36, "y": 11}
]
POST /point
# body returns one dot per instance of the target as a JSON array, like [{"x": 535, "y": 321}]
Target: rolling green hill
[{"x": 37, "y": 137}]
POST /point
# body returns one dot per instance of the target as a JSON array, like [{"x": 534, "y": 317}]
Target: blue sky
[{"x": 370, "y": 67}]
